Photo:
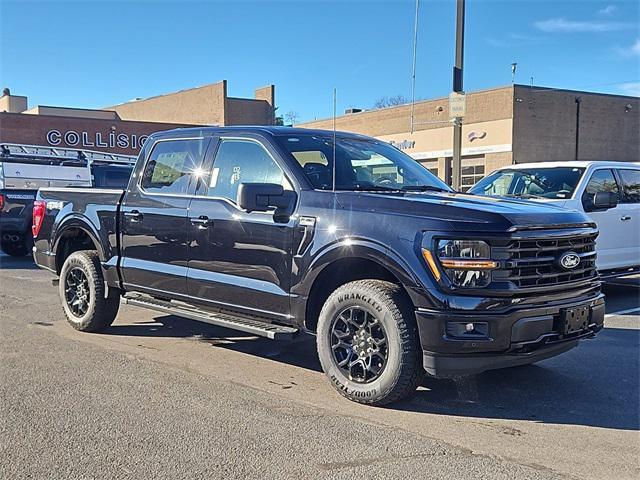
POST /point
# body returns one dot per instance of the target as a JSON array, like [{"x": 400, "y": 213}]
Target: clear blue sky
[{"x": 92, "y": 54}]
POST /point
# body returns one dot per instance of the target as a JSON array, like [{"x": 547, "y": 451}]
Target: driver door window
[
  {"x": 242, "y": 161},
  {"x": 600, "y": 181}
]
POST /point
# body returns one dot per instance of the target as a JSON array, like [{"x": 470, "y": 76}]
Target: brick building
[
  {"x": 123, "y": 128},
  {"x": 502, "y": 126}
]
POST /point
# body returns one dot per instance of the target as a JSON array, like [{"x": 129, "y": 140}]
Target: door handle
[
  {"x": 133, "y": 215},
  {"x": 624, "y": 218},
  {"x": 202, "y": 221}
]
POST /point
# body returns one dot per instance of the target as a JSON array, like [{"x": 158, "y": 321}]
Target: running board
[{"x": 268, "y": 330}]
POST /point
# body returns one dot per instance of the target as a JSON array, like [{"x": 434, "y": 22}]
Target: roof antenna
[
  {"x": 334, "y": 138},
  {"x": 413, "y": 70}
]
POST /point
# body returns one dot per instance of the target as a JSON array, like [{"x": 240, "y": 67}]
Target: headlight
[{"x": 467, "y": 263}]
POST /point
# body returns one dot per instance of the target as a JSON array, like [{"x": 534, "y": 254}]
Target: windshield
[
  {"x": 360, "y": 164},
  {"x": 557, "y": 183}
]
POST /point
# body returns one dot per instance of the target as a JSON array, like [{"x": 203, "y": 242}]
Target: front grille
[{"x": 534, "y": 262}]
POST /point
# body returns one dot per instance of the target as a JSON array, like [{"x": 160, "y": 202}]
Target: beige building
[{"x": 502, "y": 126}]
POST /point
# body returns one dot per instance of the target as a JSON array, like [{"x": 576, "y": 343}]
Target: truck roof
[
  {"x": 263, "y": 129},
  {"x": 571, "y": 163}
]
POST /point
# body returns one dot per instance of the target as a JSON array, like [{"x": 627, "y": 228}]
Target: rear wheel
[
  {"x": 18, "y": 248},
  {"x": 368, "y": 342},
  {"x": 82, "y": 292}
]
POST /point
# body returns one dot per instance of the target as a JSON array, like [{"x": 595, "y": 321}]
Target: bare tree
[
  {"x": 292, "y": 117},
  {"x": 384, "y": 102}
]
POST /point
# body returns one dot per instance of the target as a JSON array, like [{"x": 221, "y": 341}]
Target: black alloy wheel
[
  {"x": 359, "y": 344},
  {"x": 77, "y": 292}
]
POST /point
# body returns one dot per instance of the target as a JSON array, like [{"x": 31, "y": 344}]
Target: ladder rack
[{"x": 15, "y": 150}]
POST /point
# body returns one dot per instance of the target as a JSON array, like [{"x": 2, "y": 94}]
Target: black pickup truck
[{"x": 282, "y": 231}]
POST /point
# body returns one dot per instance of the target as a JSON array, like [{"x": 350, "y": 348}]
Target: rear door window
[
  {"x": 171, "y": 165},
  {"x": 630, "y": 185}
]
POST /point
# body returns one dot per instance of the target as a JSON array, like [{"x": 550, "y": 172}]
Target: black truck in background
[
  {"x": 25, "y": 169},
  {"x": 282, "y": 231}
]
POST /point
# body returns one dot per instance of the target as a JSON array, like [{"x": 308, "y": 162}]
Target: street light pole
[
  {"x": 578, "y": 101},
  {"x": 456, "y": 170}
]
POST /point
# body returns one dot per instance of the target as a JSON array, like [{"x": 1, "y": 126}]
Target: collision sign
[{"x": 72, "y": 138}]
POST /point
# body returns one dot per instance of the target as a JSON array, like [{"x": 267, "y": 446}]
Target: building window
[
  {"x": 471, "y": 174},
  {"x": 431, "y": 165}
]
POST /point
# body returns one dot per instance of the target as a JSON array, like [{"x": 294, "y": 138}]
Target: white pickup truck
[{"x": 609, "y": 192}]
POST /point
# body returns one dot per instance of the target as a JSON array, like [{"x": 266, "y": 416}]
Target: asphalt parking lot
[{"x": 160, "y": 397}]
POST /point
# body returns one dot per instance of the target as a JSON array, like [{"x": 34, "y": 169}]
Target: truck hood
[{"x": 465, "y": 212}]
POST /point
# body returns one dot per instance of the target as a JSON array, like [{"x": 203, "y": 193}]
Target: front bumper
[{"x": 517, "y": 337}]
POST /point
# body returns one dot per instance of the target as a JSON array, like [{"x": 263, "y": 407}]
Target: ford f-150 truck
[{"x": 283, "y": 231}]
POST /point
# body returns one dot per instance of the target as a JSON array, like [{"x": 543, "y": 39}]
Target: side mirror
[
  {"x": 262, "y": 197},
  {"x": 604, "y": 200}
]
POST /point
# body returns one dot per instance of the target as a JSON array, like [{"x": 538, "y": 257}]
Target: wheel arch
[
  {"x": 75, "y": 234},
  {"x": 347, "y": 263}
]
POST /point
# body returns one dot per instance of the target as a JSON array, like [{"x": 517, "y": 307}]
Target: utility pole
[
  {"x": 578, "y": 101},
  {"x": 456, "y": 170}
]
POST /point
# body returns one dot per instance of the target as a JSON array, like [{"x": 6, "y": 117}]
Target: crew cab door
[
  {"x": 613, "y": 244},
  {"x": 239, "y": 260},
  {"x": 629, "y": 209},
  {"x": 153, "y": 217}
]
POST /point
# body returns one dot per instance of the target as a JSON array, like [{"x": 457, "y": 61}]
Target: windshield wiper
[
  {"x": 374, "y": 188},
  {"x": 424, "y": 188},
  {"x": 522, "y": 195}
]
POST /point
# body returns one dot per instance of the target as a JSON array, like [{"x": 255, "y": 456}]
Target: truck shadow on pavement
[
  {"x": 300, "y": 352},
  {"x": 17, "y": 263},
  {"x": 596, "y": 384}
]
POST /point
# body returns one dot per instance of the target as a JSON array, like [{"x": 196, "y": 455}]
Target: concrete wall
[
  {"x": 199, "y": 106},
  {"x": 13, "y": 103},
  {"x": 206, "y": 105},
  {"x": 266, "y": 93},
  {"x": 545, "y": 126},
  {"x": 482, "y": 106},
  {"x": 243, "y": 111},
  {"x": 72, "y": 112}
]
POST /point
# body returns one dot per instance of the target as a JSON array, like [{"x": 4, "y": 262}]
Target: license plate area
[{"x": 573, "y": 320}]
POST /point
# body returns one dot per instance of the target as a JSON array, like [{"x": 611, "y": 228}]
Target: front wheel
[
  {"x": 82, "y": 292},
  {"x": 368, "y": 342}
]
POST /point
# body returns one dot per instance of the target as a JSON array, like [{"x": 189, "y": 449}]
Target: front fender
[{"x": 356, "y": 248}]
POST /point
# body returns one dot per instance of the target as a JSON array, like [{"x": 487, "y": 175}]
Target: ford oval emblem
[{"x": 569, "y": 260}]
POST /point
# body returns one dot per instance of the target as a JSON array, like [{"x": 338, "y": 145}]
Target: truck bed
[{"x": 66, "y": 208}]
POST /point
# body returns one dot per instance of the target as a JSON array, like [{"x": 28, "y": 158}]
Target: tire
[
  {"x": 87, "y": 309},
  {"x": 15, "y": 249},
  {"x": 396, "y": 372}
]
